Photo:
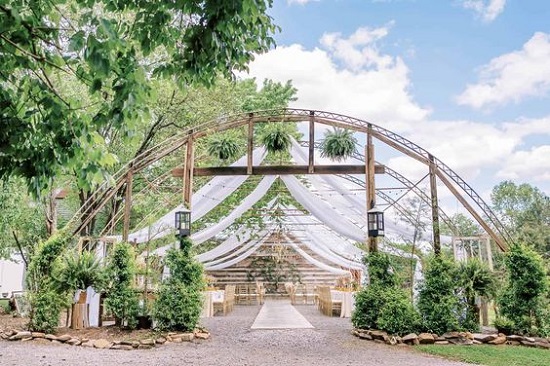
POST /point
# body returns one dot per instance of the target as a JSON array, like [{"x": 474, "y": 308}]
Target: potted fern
[
  {"x": 276, "y": 138},
  {"x": 338, "y": 144},
  {"x": 223, "y": 147}
]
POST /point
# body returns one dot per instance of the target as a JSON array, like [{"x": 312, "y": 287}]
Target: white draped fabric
[
  {"x": 211, "y": 231},
  {"x": 317, "y": 263},
  {"x": 205, "y": 199},
  {"x": 322, "y": 210}
]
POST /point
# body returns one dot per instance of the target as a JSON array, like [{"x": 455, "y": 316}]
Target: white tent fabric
[
  {"x": 317, "y": 263},
  {"x": 322, "y": 210},
  {"x": 236, "y": 260},
  {"x": 260, "y": 191},
  {"x": 242, "y": 247},
  {"x": 205, "y": 199}
]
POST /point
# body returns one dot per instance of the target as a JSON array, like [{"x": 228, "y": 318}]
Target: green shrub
[
  {"x": 437, "y": 301},
  {"x": 223, "y": 146},
  {"x": 179, "y": 300},
  {"x": 504, "y": 325},
  {"x": 397, "y": 315},
  {"x": 522, "y": 300},
  {"x": 46, "y": 307},
  {"x": 121, "y": 299},
  {"x": 45, "y": 302},
  {"x": 382, "y": 304},
  {"x": 78, "y": 272},
  {"x": 475, "y": 280}
]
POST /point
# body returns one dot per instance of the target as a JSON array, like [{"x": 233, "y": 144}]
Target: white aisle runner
[{"x": 280, "y": 314}]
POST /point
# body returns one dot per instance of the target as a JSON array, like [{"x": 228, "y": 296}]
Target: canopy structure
[{"x": 332, "y": 199}]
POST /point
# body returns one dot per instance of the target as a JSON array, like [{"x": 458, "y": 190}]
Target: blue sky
[{"x": 469, "y": 80}]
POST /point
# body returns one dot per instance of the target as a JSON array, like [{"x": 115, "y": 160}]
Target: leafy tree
[
  {"x": 382, "y": 304},
  {"x": 437, "y": 301},
  {"x": 526, "y": 212},
  {"x": 113, "y": 50},
  {"x": 524, "y": 299},
  {"x": 121, "y": 299},
  {"x": 179, "y": 301}
]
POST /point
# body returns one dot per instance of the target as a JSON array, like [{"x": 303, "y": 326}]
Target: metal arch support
[{"x": 102, "y": 195}]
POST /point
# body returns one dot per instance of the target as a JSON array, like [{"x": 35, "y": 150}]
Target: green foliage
[
  {"x": 78, "y": 272},
  {"x": 475, "y": 279},
  {"x": 121, "y": 298},
  {"x": 523, "y": 300},
  {"x": 338, "y": 144},
  {"x": 504, "y": 325},
  {"x": 108, "y": 51},
  {"x": 382, "y": 304},
  {"x": 42, "y": 262},
  {"x": 438, "y": 302},
  {"x": 46, "y": 306},
  {"x": 224, "y": 147},
  {"x": 276, "y": 137},
  {"x": 179, "y": 300},
  {"x": 525, "y": 210}
]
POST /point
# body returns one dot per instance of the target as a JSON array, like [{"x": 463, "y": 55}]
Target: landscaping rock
[
  {"x": 64, "y": 338},
  {"x": 379, "y": 335},
  {"x": 516, "y": 338},
  {"x": 527, "y": 343},
  {"x": 125, "y": 347},
  {"x": 20, "y": 335},
  {"x": 160, "y": 340},
  {"x": 126, "y": 343},
  {"x": 38, "y": 334},
  {"x": 365, "y": 336},
  {"x": 202, "y": 335},
  {"x": 484, "y": 338},
  {"x": 74, "y": 342},
  {"x": 147, "y": 342},
  {"x": 26, "y": 339},
  {"x": 410, "y": 338},
  {"x": 51, "y": 337},
  {"x": 186, "y": 337},
  {"x": 89, "y": 344},
  {"x": 426, "y": 338},
  {"x": 145, "y": 346},
  {"x": 540, "y": 344},
  {"x": 102, "y": 343},
  {"x": 441, "y": 343},
  {"x": 501, "y": 339},
  {"x": 449, "y": 335}
]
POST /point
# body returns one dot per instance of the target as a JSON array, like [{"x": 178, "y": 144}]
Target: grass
[{"x": 491, "y": 355}]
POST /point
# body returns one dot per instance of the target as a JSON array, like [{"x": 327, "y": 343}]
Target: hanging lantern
[
  {"x": 375, "y": 217},
  {"x": 183, "y": 223}
]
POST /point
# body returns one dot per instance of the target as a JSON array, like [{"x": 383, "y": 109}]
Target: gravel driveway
[{"x": 234, "y": 343}]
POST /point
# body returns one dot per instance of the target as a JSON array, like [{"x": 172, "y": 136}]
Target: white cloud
[
  {"x": 488, "y": 10},
  {"x": 528, "y": 165},
  {"x": 300, "y": 2},
  {"x": 512, "y": 76},
  {"x": 347, "y": 75}
]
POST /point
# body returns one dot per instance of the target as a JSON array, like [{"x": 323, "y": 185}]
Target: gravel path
[{"x": 234, "y": 343}]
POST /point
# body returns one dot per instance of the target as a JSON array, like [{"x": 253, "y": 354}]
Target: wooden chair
[
  {"x": 242, "y": 294},
  {"x": 227, "y": 304},
  {"x": 310, "y": 293},
  {"x": 260, "y": 290},
  {"x": 299, "y": 294},
  {"x": 327, "y": 305}
]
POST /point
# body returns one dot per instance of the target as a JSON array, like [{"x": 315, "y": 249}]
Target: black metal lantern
[
  {"x": 183, "y": 223},
  {"x": 375, "y": 217}
]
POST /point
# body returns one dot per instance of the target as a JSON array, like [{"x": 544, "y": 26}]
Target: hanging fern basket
[
  {"x": 276, "y": 138},
  {"x": 223, "y": 147},
  {"x": 338, "y": 144}
]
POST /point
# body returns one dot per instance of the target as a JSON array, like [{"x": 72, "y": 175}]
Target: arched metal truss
[{"x": 481, "y": 212}]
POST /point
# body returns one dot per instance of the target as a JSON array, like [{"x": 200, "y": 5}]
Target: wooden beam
[
  {"x": 311, "y": 146},
  {"x": 278, "y": 170},
  {"x": 127, "y": 204},
  {"x": 250, "y": 146},
  {"x": 435, "y": 207},
  {"x": 188, "y": 173},
  {"x": 501, "y": 244},
  {"x": 370, "y": 171}
]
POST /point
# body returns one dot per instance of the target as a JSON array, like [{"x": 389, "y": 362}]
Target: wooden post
[
  {"x": 435, "y": 207},
  {"x": 250, "y": 147},
  {"x": 127, "y": 204},
  {"x": 371, "y": 189},
  {"x": 311, "y": 161},
  {"x": 188, "y": 173}
]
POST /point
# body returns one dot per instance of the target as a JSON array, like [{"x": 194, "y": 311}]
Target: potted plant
[
  {"x": 276, "y": 138},
  {"x": 338, "y": 144},
  {"x": 223, "y": 147}
]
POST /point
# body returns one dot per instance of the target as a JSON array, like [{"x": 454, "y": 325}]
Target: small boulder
[
  {"x": 484, "y": 338},
  {"x": 441, "y": 343},
  {"x": 102, "y": 343},
  {"x": 20, "y": 335},
  {"x": 160, "y": 340},
  {"x": 202, "y": 335},
  {"x": 426, "y": 338},
  {"x": 64, "y": 338},
  {"x": 147, "y": 342},
  {"x": 185, "y": 337},
  {"x": 124, "y": 347},
  {"x": 379, "y": 335},
  {"x": 51, "y": 337},
  {"x": 145, "y": 346},
  {"x": 366, "y": 336},
  {"x": 409, "y": 338},
  {"x": 88, "y": 344},
  {"x": 74, "y": 342},
  {"x": 501, "y": 339},
  {"x": 38, "y": 334}
]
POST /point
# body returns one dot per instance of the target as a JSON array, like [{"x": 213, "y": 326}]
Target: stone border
[
  {"x": 172, "y": 337},
  {"x": 460, "y": 338}
]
